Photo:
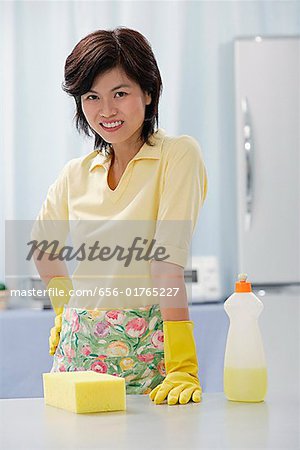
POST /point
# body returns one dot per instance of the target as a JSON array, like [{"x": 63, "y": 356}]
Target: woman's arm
[
  {"x": 181, "y": 383},
  {"x": 48, "y": 269},
  {"x": 168, "y": 275}
]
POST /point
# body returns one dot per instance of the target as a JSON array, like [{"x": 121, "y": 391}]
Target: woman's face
[{"x": 115, "y": 107}]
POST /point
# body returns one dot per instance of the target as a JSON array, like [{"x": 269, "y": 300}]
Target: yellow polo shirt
[{"x": 158, "y": 197}]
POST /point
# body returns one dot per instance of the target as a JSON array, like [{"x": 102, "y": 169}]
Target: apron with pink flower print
[{"x": 127, "y": 343}]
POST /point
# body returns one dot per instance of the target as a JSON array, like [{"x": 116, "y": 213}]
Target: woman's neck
[{"x": 124, "y": 152}]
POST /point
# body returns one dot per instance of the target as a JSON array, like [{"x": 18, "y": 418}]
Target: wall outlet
[{"x": 204, "y": 279}]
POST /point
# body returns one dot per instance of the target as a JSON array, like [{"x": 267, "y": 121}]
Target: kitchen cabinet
[{"x": 24, "y": 352}]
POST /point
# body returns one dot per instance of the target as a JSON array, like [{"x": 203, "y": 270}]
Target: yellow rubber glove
[
  {"x": 59, "y": 292},
  {"x": 181, "y": 383}
]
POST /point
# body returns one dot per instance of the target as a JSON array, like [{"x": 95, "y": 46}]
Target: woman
[{"x": 135, "y": 175}]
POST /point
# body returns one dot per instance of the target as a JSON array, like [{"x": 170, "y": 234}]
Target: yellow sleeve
[
  {"x": 183, "y": 194},
  {"x": 51, "y": 223}
]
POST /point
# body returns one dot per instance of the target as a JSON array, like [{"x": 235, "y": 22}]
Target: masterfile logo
[{"x": 96, "y": 252}]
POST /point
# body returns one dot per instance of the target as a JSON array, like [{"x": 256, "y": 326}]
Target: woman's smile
[{"x": 112, "y": 126}]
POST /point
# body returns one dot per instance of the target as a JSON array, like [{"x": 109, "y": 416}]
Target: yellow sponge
[{"x": 84, "y": 392}]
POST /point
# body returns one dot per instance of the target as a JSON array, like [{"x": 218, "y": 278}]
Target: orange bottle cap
[{"x": 242, "y": 285}]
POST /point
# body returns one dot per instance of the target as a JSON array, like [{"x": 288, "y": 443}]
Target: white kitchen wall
[{"x": 193, "y": 43}]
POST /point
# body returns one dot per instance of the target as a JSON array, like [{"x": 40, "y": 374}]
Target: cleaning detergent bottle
[{"x": 245, "y": 371}]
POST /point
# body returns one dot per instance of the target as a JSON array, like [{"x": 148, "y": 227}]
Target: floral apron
[{"x": 127, "y": 343}]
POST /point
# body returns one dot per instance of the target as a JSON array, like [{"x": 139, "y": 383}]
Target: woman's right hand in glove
[
  {"x": 55, "y": 335},
  {"x": 63, "y": 286}
]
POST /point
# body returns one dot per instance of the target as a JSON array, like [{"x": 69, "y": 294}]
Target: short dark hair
[{"x": 103, "y": 50}]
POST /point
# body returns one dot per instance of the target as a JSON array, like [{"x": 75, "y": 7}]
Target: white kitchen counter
[{"x": 215, "y": 423}]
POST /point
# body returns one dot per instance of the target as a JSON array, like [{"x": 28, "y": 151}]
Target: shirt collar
[{"x": 146, "y": 151}]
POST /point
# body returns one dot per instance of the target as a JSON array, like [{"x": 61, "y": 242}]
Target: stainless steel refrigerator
[{"x": 267, "y": 103}]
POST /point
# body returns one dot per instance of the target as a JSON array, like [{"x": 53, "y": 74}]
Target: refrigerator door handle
[{"x": 248, "y": 149}]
